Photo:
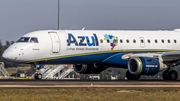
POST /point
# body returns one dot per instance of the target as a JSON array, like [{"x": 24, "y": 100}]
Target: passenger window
[
  {"x": 156, "y": 41},
  {"x": 149, "y": 41},
  {"x": 168, "y": 41},
  {"x": 127, "y": 41},
  {"x": 67, "y": 41},
  {"x": 134, "y": 41},
  {"x": 162, "y": 41},
  {"x": 101, "y": 41},
  {"x": 34, "y": 40},
  {"x": 121, "y": 41},
  {"x": 175, "y": 41},
  {"x": 23, "y": 39}
]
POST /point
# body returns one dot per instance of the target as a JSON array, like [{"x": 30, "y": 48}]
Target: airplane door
[
  {"x": 142, "y": 42},
  {"x": 55, "y": 42}
]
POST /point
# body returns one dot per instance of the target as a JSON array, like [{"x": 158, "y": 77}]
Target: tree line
[{"x": 3, "y": 47}]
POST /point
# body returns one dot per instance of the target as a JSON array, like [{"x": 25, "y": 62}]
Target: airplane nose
[{"x": 7, "y": 55}]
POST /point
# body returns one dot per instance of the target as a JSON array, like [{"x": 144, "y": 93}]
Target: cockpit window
[
  {"x": 34, "y": 40},
  {"x": 28, "y": 39},
  {"x": 24, "y": 39}
]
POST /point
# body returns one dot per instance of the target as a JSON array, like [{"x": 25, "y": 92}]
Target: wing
[
  {"x": 153, "y": 55},
  {"x": 171, "y": 57}
]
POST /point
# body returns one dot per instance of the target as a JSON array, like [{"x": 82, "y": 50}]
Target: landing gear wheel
[
  {"x": 38, "y": 76},
  {"x": 170, "y": 75},
  {"x": 165, "y": 75},
  {"x": 129, "y": 76},
  {"x": 132, "y": 76},
  {"x": 136, "y": 77},
  {"x": 173, "y": 75}
]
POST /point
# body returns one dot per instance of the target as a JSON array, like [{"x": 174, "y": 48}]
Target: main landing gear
[
  {"x": 170, "y": 75},
  {"x": 167, "y": 75}
]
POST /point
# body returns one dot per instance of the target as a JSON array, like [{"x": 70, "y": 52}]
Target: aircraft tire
[
  {"x": 38, "y": 76},
  {"x": 129, "y": 75},
  {"x": 165, "y": 75},
  {"x": 172, "y": 75},
  {"x": 132, "y": 76},
  {"x": 136, "y": 77}
]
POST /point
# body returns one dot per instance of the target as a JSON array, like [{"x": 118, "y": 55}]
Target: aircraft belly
[{"x": 113, "y": 59}]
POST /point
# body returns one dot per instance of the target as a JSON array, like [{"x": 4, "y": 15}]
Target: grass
[
  {"x": 11, "y": 70},
  {"x": 14, "y": 70},
  {"x": 89, "y": 94}
]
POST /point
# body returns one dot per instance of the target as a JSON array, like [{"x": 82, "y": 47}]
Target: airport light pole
[{"x": 58, "y": 14}]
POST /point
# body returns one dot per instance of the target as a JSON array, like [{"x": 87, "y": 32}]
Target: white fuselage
[{"x": 90, "y": 46}]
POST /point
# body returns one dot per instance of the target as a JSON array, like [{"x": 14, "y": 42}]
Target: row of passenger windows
[{"x": 142, "y": 41}]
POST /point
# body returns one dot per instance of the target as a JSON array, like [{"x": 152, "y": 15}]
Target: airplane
[{"x": 141, "y": 52}]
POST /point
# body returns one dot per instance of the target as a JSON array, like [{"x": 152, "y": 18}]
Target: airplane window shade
[{"x": 23, "y": 39}]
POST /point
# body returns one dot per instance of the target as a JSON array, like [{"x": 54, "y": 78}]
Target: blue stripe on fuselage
[{"x": 109, "y": 59}]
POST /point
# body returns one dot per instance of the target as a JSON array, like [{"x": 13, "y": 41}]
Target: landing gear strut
[
  {"x": 170, "y": 75},
  {"x": 37, "y": 74},
  {"x": 132, "y": 76}
]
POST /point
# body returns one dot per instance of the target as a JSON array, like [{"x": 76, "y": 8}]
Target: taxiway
[{"x": 87, "y": 83}]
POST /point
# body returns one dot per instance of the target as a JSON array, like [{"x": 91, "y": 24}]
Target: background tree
[{"x": 1, "y": 51}]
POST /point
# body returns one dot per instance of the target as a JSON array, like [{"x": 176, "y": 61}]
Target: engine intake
[
  {"x": 144, "y": 65},
  {"x": 88, "y": 69}
]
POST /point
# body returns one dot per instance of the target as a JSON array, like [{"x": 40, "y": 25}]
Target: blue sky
[{"x": 18, "y": 17}]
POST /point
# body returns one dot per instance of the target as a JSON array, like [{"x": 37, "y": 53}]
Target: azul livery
[
  {"x": 92, "y": 51},
  {"x": 82, "y": 40}
]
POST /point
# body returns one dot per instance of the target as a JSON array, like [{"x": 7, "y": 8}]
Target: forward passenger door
[{"x": 55, "y": 42}]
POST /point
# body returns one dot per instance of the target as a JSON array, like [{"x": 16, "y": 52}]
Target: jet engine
[
  {"x": 88, "y": 69},
  {"x": 145, "y": 65}
]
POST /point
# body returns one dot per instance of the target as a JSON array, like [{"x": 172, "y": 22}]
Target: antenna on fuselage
[{"x": 83, "y": 28}]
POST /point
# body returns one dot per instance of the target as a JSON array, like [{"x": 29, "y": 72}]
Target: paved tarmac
[{"x": 86, "y": 83}]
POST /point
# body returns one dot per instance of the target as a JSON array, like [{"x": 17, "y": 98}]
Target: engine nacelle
[
  {"x": 145, "y": 65},
  {"x": 88, "y": 69}
]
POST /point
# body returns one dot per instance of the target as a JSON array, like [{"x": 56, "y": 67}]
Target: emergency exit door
[{"x": 55, "y": 42}]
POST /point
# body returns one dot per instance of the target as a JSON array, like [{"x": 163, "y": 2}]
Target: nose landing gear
[{"x": 37, "y": 74}]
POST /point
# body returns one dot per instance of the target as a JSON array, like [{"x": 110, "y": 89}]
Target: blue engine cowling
[{"x": 144, "y": 65}]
